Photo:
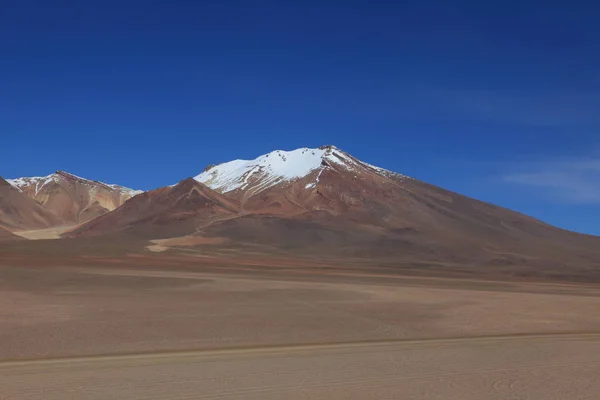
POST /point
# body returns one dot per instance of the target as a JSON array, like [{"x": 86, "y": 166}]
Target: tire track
[
  {"x": 300, "y": 347},
  {"x": 550, "y": 366}
]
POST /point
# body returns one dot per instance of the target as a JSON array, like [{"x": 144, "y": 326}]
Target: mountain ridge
[
  {"x": 163, "y": 212},
  {"x": 71, "y": 198},
  {"x": 276, "y": 167},
  {"x": 328, "y": 202},
  {"x": 24, "y": 182},
  {"x": 19, "y": 212}
]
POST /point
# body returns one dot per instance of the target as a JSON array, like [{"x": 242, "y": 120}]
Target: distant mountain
[
  {"x": 325, "y": 201},
  {"x": 20, "y": 212},
  {"x": 73, "y": 199}
]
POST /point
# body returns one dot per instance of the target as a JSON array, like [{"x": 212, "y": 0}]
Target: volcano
[{"x": 327, "y": 202}]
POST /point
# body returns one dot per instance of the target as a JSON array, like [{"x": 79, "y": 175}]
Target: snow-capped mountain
[
  {"x": 326, "y": 202},
  {"x": 279, "y": 167},
  {"x": 286, "y": 184},
  {"x": 71, "y": 198},
  {"x": 19, "y": 212},
  {"x": 37, "y": 183}
]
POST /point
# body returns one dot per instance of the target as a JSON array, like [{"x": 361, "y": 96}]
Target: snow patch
[
  {"x": 271, "y": 169},
  {"x": 39, "y": 182},
  {"x": 122, "y": 189},
  {"x": 387, "y": 172},
  {"x": 281, "y": 166}
]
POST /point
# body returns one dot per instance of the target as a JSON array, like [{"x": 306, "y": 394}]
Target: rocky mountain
[
  {"x": 20, "y": 212},
  {"x": 166, "y": 212},
  {"x": 73, "y": 199},
  {"x": 323, "y": 179},
  {"x": 247, "y": 178},
  {"x": 325, "y": 201}
]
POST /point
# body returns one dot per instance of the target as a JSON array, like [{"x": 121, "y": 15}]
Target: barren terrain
[
  {"x": 41, "y": 234},
  {"x": 221, "y": 333}
]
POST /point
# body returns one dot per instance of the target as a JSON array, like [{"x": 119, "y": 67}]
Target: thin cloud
[
  {"x": 528, "y": 109},
  {"x": 574, "y": 181}
]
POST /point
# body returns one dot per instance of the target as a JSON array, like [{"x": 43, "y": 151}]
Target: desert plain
[{"x": 135, "y": 331}]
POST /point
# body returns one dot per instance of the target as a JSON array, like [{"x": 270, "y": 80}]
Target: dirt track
[{"x": 515, "y": 367}]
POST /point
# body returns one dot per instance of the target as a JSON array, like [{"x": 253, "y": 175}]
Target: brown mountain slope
[
  {"x": 19, "y": 212},
  {"x": 71, "y": 198},
  {"x": 345, "y": 206},
  {"x": 165, "y": 212},
  {"x": 326, "y": 202},
  {"x": 430, "y": 225},
  {"x": 6, "y": 235}
]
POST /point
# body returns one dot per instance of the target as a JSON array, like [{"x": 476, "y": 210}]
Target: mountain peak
[
  {"x": 279, "y": 166},
  {"x": 66, "y": 174},
  {"x": 274, "y": 167},
  {"x": 71, "y": 198},
  {"x": 39, "y": 182},
  {"x": 329, "y": 147}
]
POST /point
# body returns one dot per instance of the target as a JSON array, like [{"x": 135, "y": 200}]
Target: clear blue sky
[{"x": 499, "y": 100}]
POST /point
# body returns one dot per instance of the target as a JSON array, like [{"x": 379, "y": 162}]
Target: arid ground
[{"x": 168, "y": 333}]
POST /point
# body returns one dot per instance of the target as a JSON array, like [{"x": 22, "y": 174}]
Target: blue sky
[{"x": 496, "y": 100}]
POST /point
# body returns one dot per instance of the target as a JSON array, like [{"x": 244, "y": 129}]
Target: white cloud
[{"x": 575, "y": 181}]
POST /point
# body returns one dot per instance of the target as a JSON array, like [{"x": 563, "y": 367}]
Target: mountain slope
[
  {"x": 71, "y": 198},
  {"x": 165, "y": 212},
  {"x": 5, "y": 235},
  {"x": 327, "y": 202},
  {"x": 356, "y": 208},
  {"x": 19, "y": 212}
]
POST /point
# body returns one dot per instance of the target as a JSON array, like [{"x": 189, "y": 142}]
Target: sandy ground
[
  {"x": 112, "y": 333},
  {"x": 39, "y": 234},
  {"x": 159, "y": 245},
  {"x": 554, "y": 367}
]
